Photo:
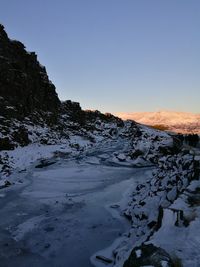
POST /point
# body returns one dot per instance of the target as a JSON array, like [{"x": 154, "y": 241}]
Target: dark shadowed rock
[
  {"x": 24, "y": 83},
  {"x": 45, "y": 163},
  {"x": 74, "y": 111},
  {"x": 6, "y": 144},
  {"x": 149, "y": 255},
  {"x": 21, "y": 136}
]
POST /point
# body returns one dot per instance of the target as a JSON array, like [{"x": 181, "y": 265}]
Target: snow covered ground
[
  {"x": 61, "y": 214},
  {"x": 81, "y": 202},
  {"x": 164, "y": 212},
  {"x": 179, "y": 232}
]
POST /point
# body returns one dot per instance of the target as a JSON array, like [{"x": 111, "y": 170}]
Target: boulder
[{"x": 6, "y": 144}]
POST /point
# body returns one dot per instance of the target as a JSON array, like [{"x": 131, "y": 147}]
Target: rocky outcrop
[
  {"x": 93, "y": 116},
  {"x": 149, "y": 255},
  {"x": 24, "y": 83},
  {"x": 150, "y": 200},
  {"x": 30, "y": 108},
  {"x": 73, "y": 111}
]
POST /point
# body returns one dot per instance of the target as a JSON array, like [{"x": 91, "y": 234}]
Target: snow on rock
[
  {"x": 121, "y": 157},
  {"x": 147, "y": 206},
  {"x": 141, "y": 149},
  {"x": 172, "y": 194},
  {"x": 46, "y": 142},
  {"x": 141, "y": 146}
]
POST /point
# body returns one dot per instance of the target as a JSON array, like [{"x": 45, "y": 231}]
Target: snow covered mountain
[{"x": 180, "y": 122}]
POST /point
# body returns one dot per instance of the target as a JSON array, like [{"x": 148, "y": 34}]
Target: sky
[{"x": 114, "y": 55}]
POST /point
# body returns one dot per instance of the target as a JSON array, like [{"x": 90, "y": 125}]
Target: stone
[
  {"x": 149, "y": 255},
  {"x": 6, "y": 144},
  {"x": 24, "y": 83},
  {"x": 104, "y": 259}
]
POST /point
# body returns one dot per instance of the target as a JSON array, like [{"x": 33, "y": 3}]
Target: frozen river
[{"x": 64, "y": 213}]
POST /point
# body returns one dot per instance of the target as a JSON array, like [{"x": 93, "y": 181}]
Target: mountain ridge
[{"x": 182, "y": 122}]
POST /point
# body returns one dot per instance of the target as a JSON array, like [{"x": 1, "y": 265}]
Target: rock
[
  {"x": 4, "y": 184},
  {"x": 197, "y": 158},
  {"x": 194, "y": 200},
  {"x": 21, "y": 136},
  {"x": 49, "y": 229},
  {"x": 7, "y": 183},
  {"x": 114, "y": 206},
  {"x": 6, "y": 144},
  {"x": 128, "y": 216},
  {"x": 104, "y": 259},
  {"x": 74, "y": 111},
  {"x": 152, "y": 224},
  {"x": 22, "y": 170},
  {"x": 135, "y": 153},
  {"x": 47, "y": 245},
  {"x": 149, "y": 255},
  {"x": 45, "y": 163},
  {"x": 121, "y": 157},
  {"x": 24, "y": 83},
  {"x": 172, "y": 194}
]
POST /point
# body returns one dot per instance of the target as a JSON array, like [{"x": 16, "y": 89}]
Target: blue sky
[{"x": 114, "y": 55}]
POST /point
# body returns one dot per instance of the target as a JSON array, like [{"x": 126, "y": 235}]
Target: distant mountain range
[{"x": 180, "y": 122}]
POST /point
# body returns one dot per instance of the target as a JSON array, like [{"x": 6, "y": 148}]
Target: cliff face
[
  {"x": 24, "y": 83},
  {"x": 30, "y": 110}
]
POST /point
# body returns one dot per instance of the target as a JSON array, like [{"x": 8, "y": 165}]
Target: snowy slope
[{"x": 130, "y": 145}]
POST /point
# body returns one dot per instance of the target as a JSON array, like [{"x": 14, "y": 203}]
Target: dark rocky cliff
[
  {"x": 30, "y": 110},
  {"x": 24, "y": 83}
]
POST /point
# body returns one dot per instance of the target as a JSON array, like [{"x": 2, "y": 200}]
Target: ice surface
[{"x": 61, "y": 213}]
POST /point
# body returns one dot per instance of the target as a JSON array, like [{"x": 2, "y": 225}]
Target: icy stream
[{"x": 63, "y": 213}]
